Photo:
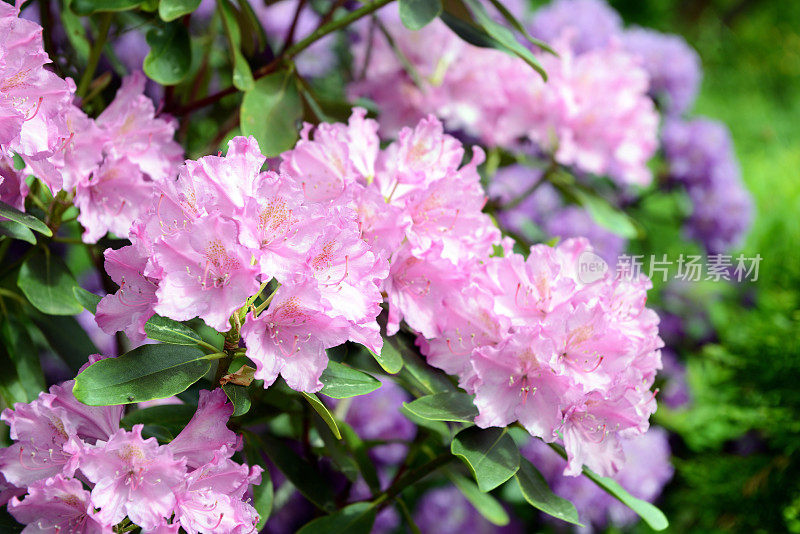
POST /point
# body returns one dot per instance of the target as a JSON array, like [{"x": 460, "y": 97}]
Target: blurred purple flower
[
  {"x": 446, "y": 511},
  {"x": 674, "y": 67},
  {"x": 592, "y": 23}
]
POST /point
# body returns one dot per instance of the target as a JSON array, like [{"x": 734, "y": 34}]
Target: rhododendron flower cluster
[
  {"x": 593, "y": 113},
  {"x": 539, "y": 343},
  {"x": 72, "y": 468}
]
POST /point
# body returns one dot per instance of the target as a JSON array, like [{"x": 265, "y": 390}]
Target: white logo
[{"x": 591, "y": 267}]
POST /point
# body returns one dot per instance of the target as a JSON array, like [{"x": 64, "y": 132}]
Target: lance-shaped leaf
[
  {"x": 145, "y": 373},
  {"x": 10, "y": 212},
  {"x": 87, "y": 299},
  {"x": 452, "y": 406},
  {"x": 355, "y": 518},
  {"x": 170, "y": 10},
  {"x": 416, "y": 14},
  {"x": 487, "y": 506},
  {"x": 23, "y": 354},
  {"x": 270, "y": 112},
  {"x": 47, "y": 283},
  {"x": 389, "y": 358},
  {"x": 536, "y": 491},
  {"x": 302, "y": 474},
  {"x": 16, "y": 230},
  {"x": 239, "y": 397},
  {"x": 647, "y": 511},
  {"x": 167, "y": 330},
  {"x": 323, "y": 412},
  {"x": 341, "y": 381},
  {"x": 490, "y": 454},
  {"x": 170, "y": 55},
  {"x": 517, "y": 25},
  {"x": 242, "y": 75}
]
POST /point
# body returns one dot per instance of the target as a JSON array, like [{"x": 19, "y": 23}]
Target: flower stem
[{"x": 94, "y": 54}]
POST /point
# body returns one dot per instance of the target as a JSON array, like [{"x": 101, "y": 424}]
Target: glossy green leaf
[
  {"x": 647, "y": 511},
  {"x": 503, "y": 35},
  {"x": 355, "y": 518},
  {"x": 323, "y": 412},
  {"x": 423, "y": 376},
  {"x": 517, "y": 25},
  {"x": 242, "y": 75},
  {"x": 450, "y": 406},
  {"x": 239, "y": 397},
  {"x": 170, "y": 55},
  {"x": 340, "y": 381},
  {"x": 389, "y": 359},
  {"x": 607, "y": 215},
  {"x": 145, "y": 373},
  {"x": 416, "y": 14},
  {"x": 270, "y": 112},
  {"x": 491, "y": 455},
  {"x": 23, "y": 354},
  {"x": 87, "y": 7},
  {"x": 536, "y": 491},
  {"x": 172, "y": 9},
  {"x": 469, "y": 33},
  {"x": 436, "y": 426},
  {"x": 263, "y": 494},
  {"x": 166, "y": 330},
  {"x": 10, "y": 212},
  {"x": 67, "y": 338},
  {"x": 46, "y": 282},
  {"x": 15, "y": 230},
  {"x": 172, "y": 417},
  {"x": 87, "y": 299},
  {"x": 305, "y": 477},
  {"x": 484, "y": 503}
]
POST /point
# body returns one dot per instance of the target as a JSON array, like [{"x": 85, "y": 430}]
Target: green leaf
[
  {"x": 335, "y": 449},
  {"x": 389, "y": 359},
  {"x": 170, "y": 10},
  {"x": 650, "y": 513},
  {"x": 647, "y": 511},
  {"x": 166, "y": 330},
  {"x": 487, "y": 506},
  {"x": 302, "y": 474},
  {"x": 239, "y": 397},
  {"x": 504, "y": 36},
  {"x": 323, "y": 412},
  {"x": 270, "y": 111},
  {"x": 361, "y": 455},
  {"x": 10, "y": 212},
  {"x": 416, "y": 14},
  {"x": 421, "y": 374},
  {"x": 490, "y": 454},
  {"x": 87, "y": 7},
  {"x": 263, "y": 494},
  {"x": 242, "y": 75},
  {"x": 170, "y": 55},
  {"x": 67, "y": 338},
  {"x": 15, "y": 230},
  {"x": 536, "y": 491},
  {"x": 469, "y": 33},
  {"x": 455, "y": 406},
  {"x": 607, "y": 215},
  {"x": 24, "y": 356},
  {"x": 340, "y": 381},
  {"x": 87, "y": 299},
  {"x": 172, "y": 417},
  {"x": 517, "y": 25},
  {"x": 47, "y": 283},
  {"x": 355, "y": 518},
  {"x": 145, "y": 373}
]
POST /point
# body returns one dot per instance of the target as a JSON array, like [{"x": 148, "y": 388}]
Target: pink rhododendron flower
[
  {"x": 207, "y": 431},
  {"x": 13, "y": 188},
  {"x": 58, "y": 505},
  {"x": 211, "y": 498},
  {"x": 133, "y": 477},
  {"x": 132, "y": 305},
  {"x": 33, "y": 98},
  {"x": 41, "y": 430},
  {"x": 291, "y": 336},
  {"x": 207, "y": 274}
]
